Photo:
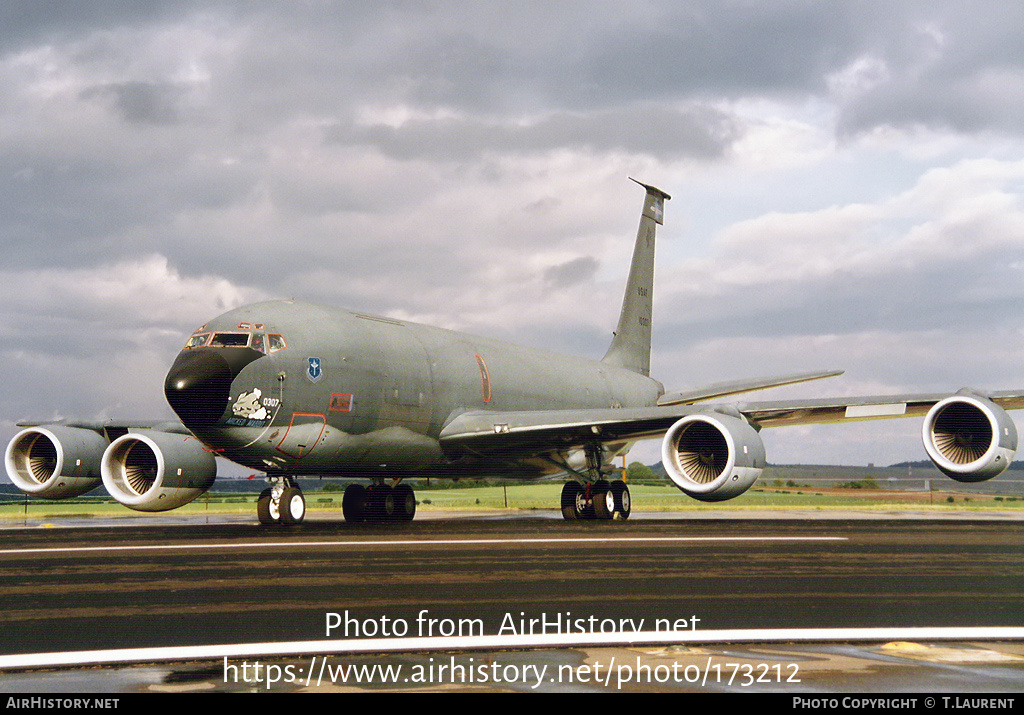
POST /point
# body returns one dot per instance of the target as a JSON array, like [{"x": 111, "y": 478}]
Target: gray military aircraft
[{"x": 294, "y": 389}]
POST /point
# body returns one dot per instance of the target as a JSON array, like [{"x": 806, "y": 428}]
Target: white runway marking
[
  {"x": 416, "y": 542},
  {"x": 472, "y": 643}
]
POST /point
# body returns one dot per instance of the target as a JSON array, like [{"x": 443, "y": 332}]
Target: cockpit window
[
  {"x": 197, "y": 341},
  {"x": 256, "y": 339},
  {"x": 275, "y": 342},
  {"x": 230, "y": 340},
  {"x": 258, "y": 343}
]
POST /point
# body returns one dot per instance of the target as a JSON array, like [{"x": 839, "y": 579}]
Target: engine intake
[
  {"x": 157, "y": 471},
  {"x": 712, "y": 457},
  {"x": 969, "y": 438},
  {"x": 55, "y": 462}
]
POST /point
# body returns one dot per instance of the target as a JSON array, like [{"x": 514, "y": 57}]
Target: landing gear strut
[
  {"x": 281, "y": 503},
  {"x": 597, "y": 500}
]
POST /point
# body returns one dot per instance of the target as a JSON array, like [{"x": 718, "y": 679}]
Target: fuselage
[{"x": 294, "y": 388}]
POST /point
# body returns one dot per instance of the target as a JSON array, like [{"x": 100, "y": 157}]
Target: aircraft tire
[
  {"x": 573, "y": 501},
  {"x": 621, "y": 501},
  {"x": 266, "y": 511},
  {"x": 405, "y": 503},
  {"x": 372, "y": 504},
  {"x": 354, "y": 503},
  {"x": 602, "y": 504},
  {"x": 293, "y": 506},
  {"x": 381, "y": 503},
  {"x": 387, "y": 504}
]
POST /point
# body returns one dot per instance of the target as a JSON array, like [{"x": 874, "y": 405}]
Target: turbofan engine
[
  {"x": 157, "y": 471},
  {"x": 713, "y": 457},
  {"x": 55, "y": 462},
  {"x": 969, "y": 437}
]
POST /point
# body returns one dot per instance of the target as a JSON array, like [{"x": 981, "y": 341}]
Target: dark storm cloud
[
  {"x": 141, "y": 102},
  {"x": 571, "y": 272},
  {"x": 476, "y": 80},
  {"x": 945, "y": 297},
  {"x": 28, "y": 22},
  {"x": 494, "y": 57},
  {"x": 729, "y": 49},
  {"x": 694, "y": 132},
  {"x": 109, "y": 205},
  {"x": 956, "y": 66},
  {"x": 943, "y": 101}
]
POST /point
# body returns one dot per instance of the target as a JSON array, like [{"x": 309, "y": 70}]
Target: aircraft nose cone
[{"x": 198, "y": 387}]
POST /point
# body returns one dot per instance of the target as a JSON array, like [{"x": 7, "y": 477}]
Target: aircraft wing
[
  {"x": 541, "y": 431},
  {"x": 846, "y": 409},
  {"x": 537, "y": 432},
  {"x": 111, "y": 426},
  {"x": 714, "y": 452},
  {"x": 725, "y": 389}
]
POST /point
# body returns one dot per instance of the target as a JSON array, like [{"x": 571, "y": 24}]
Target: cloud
[
  {"x": 846, "y": 179},
  {"x": 948, "y": 70},
  {"x": 571, "y": 272},
  {"x": 112, "y": 327},
  {"x": 939, "y": 255},
  {"x": 698, "y": 132},
  {"x": 141, "y": 102},
  {"x": 149, "y": 288}
]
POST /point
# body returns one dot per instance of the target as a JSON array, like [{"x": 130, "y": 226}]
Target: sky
[{"x": 847, "y": 183}]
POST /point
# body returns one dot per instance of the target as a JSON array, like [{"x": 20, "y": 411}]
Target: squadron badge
[{"x": 313, "y": 372}]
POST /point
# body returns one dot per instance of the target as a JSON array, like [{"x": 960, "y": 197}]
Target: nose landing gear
[{"x": 281, "y": 503}]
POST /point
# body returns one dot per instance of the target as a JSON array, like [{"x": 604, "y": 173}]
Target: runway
[{"x": 145, "y": 586}]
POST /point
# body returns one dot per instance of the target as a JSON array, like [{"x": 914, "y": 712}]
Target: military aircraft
[{"x": 293, "y": 389}]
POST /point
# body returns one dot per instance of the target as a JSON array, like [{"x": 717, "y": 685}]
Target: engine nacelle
[
  {"x": 55, "y": 462},
  {"x": 969, "y": 438},
  {"x": 713, "y": 457},
  {"x": 157, "y": 471}
]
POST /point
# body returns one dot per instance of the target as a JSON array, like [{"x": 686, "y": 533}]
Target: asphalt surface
[{"x": 102, "y": 587}]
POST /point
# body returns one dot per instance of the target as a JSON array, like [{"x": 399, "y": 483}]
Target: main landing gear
[
  {"x": 378, "y": 502},
  {"x": 597, "y": 500},
  {"x": 282, "y": 503}
]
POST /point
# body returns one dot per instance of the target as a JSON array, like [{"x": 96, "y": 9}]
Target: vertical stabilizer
[{"x": 631, "y": 346}]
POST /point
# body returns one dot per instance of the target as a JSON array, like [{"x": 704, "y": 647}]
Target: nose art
[{"x": 198, "y": 387}]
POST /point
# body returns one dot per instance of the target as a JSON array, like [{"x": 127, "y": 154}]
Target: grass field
[{"x": 546, "y": 496}]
